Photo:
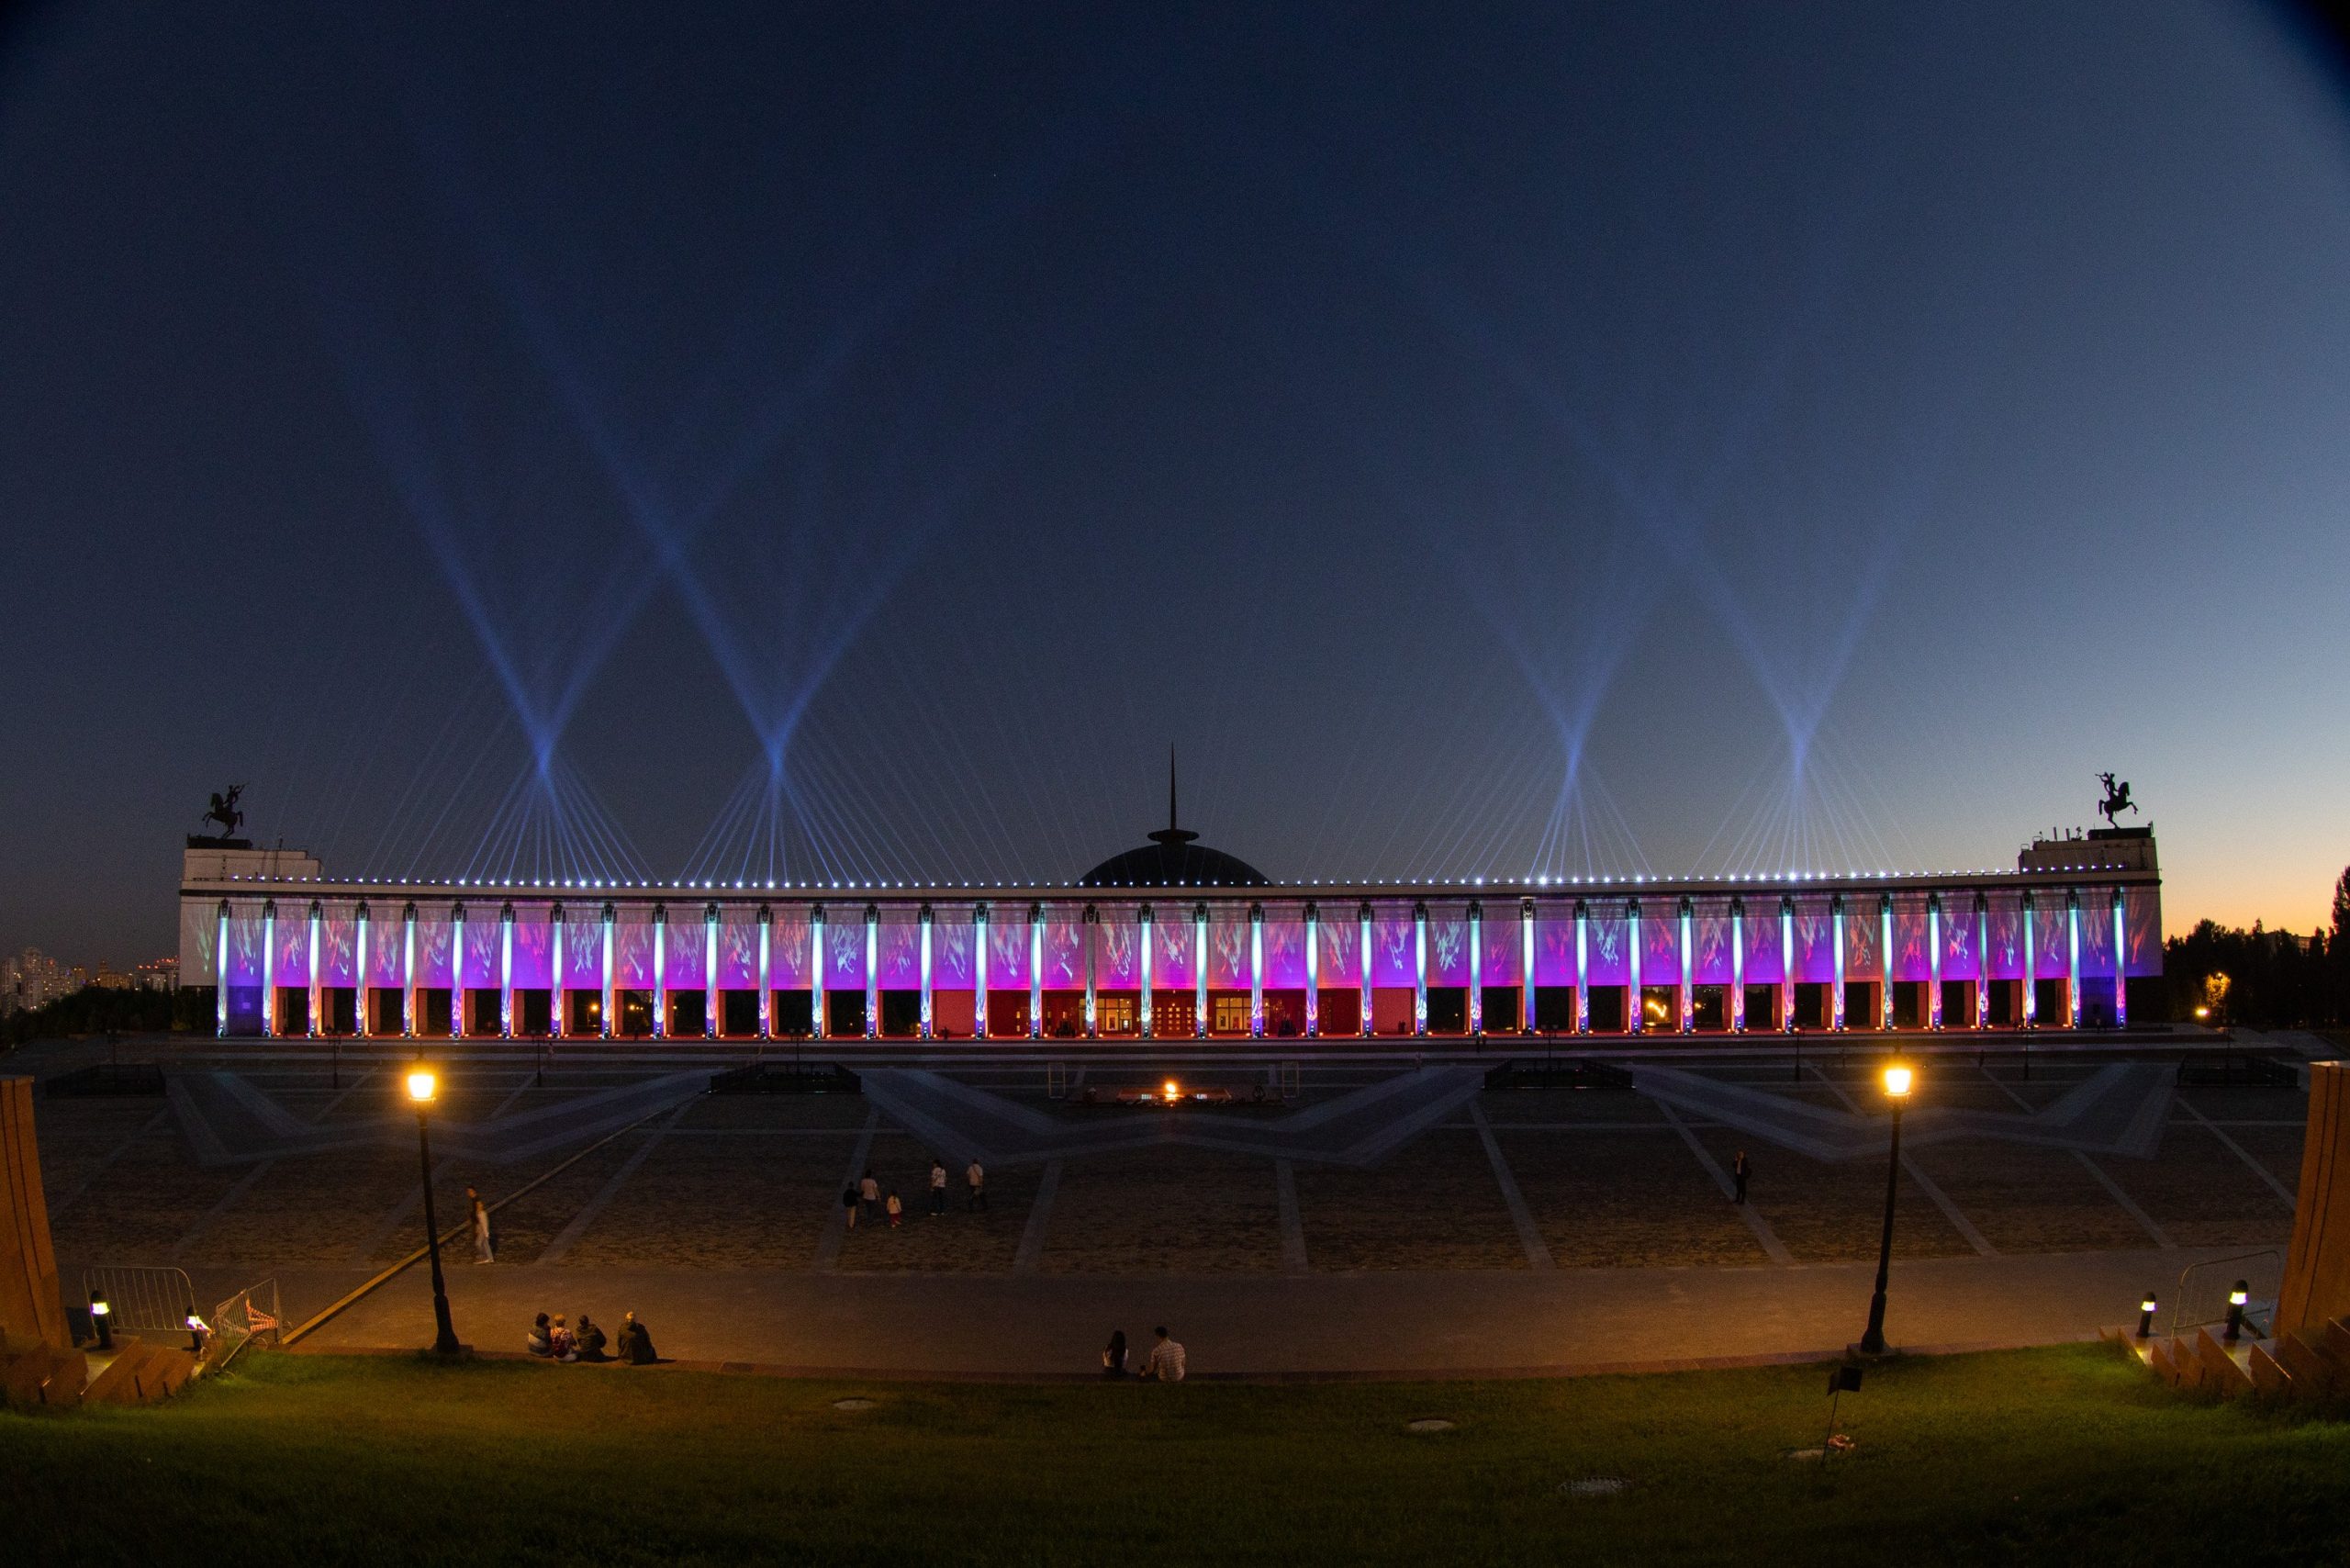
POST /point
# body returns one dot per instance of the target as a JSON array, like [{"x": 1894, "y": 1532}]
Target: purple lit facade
[{"x": 2065, "y": 941}]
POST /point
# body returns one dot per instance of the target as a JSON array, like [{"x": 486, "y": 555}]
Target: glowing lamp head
[
  {"x": 98, "y": 1308},
  {"x": 1897, "y": 1079},
  {"x": 2238, "y": 1295},
  {"x": 422, "y": 1084},
  {"x": 2149, "y": 1303},
  {"x": 196, "y": 1325},
  {"x": 1173, "y": 1091}
]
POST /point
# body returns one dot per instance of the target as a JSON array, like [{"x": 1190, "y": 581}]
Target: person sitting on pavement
[
  {"x": 591, "y": 1341},
  {"x": 635, "y": 1346},
  {"x": 540, "y": 1343},
  {"x": 1166, "y": 1364},
  {"x": 562, "y": 1342},
  {"x": 1113, "y": 1354}
]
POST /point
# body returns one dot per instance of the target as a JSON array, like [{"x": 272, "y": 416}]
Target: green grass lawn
[{"x": 2067, "y": 1455}]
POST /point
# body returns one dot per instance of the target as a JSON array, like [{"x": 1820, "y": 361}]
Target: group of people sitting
[
  {"x": 556, "y": 1340},
  {"x": 1164, "y": 1364}
]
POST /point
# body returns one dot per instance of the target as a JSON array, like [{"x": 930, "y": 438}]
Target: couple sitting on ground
[
  {"x": 557, "y": 1341},
  {"x": 1165, "y": 1365}
]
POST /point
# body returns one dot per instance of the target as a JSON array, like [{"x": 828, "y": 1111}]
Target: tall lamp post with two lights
[
  {"x": 423, "y": 1085},
  {"x": 1899, "y": 1080}
]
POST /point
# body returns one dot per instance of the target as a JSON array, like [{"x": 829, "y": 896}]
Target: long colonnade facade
[{"x": 2069, "y": 940}]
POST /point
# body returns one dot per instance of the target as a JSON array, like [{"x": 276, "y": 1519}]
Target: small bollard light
[
  {"x": 2236, "y": 1299},
  {"x": 2146, "y": 1316},
  {"x": 198, "y": 1332},
  {"x": 99, "y": 1315}
]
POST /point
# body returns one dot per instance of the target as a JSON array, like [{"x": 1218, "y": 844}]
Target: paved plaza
[{"x": 1507, "y": 1228}]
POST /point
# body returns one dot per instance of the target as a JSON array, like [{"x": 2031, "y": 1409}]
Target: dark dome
[
  {"x": 1178, "y": 865},
  {"x": 1174, "y": 859}
]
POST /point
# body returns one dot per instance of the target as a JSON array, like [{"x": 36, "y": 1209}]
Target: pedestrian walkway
[{"x": 1390, "y": 1325}]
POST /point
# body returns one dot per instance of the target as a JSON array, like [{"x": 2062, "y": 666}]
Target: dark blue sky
[{"x": 855, "y": 443}]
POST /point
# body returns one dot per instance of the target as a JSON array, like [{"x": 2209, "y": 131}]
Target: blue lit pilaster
[
  {"x": 407, "y": 972},
  {"x": 1035, "y": 972},
  {"x": 710, "y": 993},
  {"x": 1363, "y": 914},
  {"x": 506, "y": 972},
  {"x": 1092, "y": 928},
  {"x": 1313, "y": 970},
  {"x": 818, "y": 1022},
  {"x": 1635, "y": 1009},
  {"x": 1982, "y": 960},
  {"x": 766, "y": 972},
  {"x": 611, "y": 996},
  {"x": 1256, "y": 971},
  {"x": 1935, "y": 961},
  {"x": 922, "y": 958},
  {"x": 2072, "y": 958},
  {"x": 1142, "y": 929},
  {"x": 1419, "y": 970},
  {"x": 1836, "y": 997},
  {"x": 872, "y": 972},
  {"x": 2030, "y": 966},
  {"x": 1199, "y": 969},
  {"x": 979, "y": 970},
  {"x": 557, "y": 1017},
  {"x": 1582, "y": 968},
  {"x": 2120, "y": 966},
  {"x": 457, "y": 973},
  {"x": 1526, "y": 997},
  {"x": 1688, "y": 1015},
  {"x": 1476, "y": 966},
  {"x": 660, "y": 971},
  {"x": 1787, "y": 963},
  {"x": 1738, "y": 966},
  {"x": 1884, "y": 962}
]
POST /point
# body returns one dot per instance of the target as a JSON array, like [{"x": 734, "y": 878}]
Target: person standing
[
  {"x": 1166, "y": 1364},
  {"x": 937, "y": 1186},
  {"x": 897, "y": 1210},
  {"x": 848, "y": 1201},
  {"x": 870, "y": 1191},
  {"x": 976, "y": 1181},
  {"x": 1740, "y": 1168},
  {"x": 485, "y": 1245}
]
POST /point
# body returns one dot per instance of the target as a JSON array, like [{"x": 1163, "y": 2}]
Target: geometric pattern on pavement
[
  {"x": 1358, "y": 1129},
  {"x": 2120, "y": 1109},
  {"x": 227, "y": 1121}
]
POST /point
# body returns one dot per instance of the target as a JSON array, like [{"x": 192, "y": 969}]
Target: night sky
[{"x": 773, "y": 442}]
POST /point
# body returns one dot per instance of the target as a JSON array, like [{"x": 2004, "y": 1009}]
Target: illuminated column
[
  {"x": 1935, "y": 961},
  {"x": 1635, "y": 1012},
  {"x": 1476, "y": 966},
  {"x": 2072, "y": 958},
  {"x": 1200, "y": 968},
  {"x": 1582, "y": 968},
  {"x": 1787, "y": 963},
  {"x": 1688, "y": 968},
  {"x": 506, "y": 972},
  {"x": 1092, "y": 930},
  {"x": 269, "y": 967},
  {"x": 872, "y": 972},
  {"x": 820, "y": 1024},
  {"x": 1313, "y": 970},
  {"x": 457, "y": 973},
  {"x": 1363, "y": 914},
  {"x": 1526, "y": 997},
  {"x": 1738, "y": 966},
  {"x": 310, "y": 1030},
  {"x": 1256, "y": 971},
  {"x": 710, "y": 996},
  {"x": 407, "y": 972},
  {"x": 766, "y": 972},
  {"x": 660, "y": 971},
  {"x": 923, "y": 958},
  {"x": 1884, "y": 962},
  {"x": 1836, "y": 996},
  {"x": 979, "y": 970},
  {"x": 2120, "y": 971},
  {"x": 220, "y": 977},
  {"x": 1142, "y": 925},
  {"x": 555, "y": 1017},
  {"x": 611, "y": 999},
  {"x": 2030, "y": 966},
  {"x": 1982, "y": 960},
  {"x": 1419, "y": 970},
  {"x": 359, "y": 1020},
  {"x": 1035, "y": 972}
]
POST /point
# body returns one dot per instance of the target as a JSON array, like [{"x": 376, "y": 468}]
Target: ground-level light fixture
[
  {"x": 101, "y": 1319},
  {"x": 2147, "y": 1315},
  {"x": 198, "y": 1332},
  {"x": 2236, "y": 1300}
]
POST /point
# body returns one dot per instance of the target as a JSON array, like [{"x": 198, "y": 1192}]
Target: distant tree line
[
  {"x": 2263, "y": 979},
  {"x": 95, "y": 1010}
]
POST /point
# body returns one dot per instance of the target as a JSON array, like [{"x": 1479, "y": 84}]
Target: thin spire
[{"x": 1171, "y": 824}]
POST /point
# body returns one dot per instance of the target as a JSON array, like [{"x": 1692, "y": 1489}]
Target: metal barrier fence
[
  {"x": 251, "y": 1317},
  {"x": 143, "y": 1300},
  {"x": 2201, "y": 1294}
]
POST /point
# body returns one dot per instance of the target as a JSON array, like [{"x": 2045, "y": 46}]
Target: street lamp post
[
  {"x": 1898, "y": 1081},
  {"x": 422, "y": 1085}
]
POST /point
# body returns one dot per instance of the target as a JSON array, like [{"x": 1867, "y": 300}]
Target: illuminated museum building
[{"x": 1176, "y": 940}]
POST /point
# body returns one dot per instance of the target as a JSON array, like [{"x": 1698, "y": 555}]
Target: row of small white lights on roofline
[{"x": 1545, "y": 881}]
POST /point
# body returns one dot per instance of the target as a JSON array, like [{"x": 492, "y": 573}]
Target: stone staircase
[{"x": 2303, "y": 1366}]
